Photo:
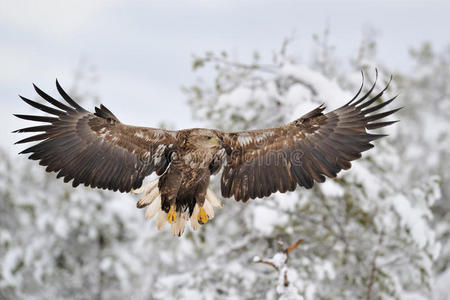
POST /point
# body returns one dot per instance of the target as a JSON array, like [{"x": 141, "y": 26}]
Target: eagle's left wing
[
  {"x": 262, "y": 162},
  {"x": 95, "y": 149}
]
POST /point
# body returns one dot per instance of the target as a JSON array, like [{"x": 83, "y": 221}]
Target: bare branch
[
  {"x": 267, "y": 263},
  {"x": 294, "y": 246}
]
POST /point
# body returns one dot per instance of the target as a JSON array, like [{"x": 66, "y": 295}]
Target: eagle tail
[{"x": 152, "y": 201}]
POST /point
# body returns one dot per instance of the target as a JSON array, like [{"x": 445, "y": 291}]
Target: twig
[
  {"x": 293, "y": 246},
  {"x": 254, "y": 66},
  {"x": 267, "y": 263}
]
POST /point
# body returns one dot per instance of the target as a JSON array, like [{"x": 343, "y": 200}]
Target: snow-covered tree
[
  {"x": 371, "y": 233},
  {"x": 59, "y": 242},
  {"x": 366, "y": 234},
  {"x": 424, "y": 140}
]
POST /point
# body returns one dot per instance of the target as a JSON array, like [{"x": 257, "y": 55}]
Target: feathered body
[
  {"x": 97, "y": 150},
  {"x": 187, "y": 178}
]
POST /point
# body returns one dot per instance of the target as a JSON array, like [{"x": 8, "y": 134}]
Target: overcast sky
[{"x": 142, "y": 49}]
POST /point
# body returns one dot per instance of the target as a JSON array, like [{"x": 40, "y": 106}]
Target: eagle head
[{"x": 204, "y": 138}]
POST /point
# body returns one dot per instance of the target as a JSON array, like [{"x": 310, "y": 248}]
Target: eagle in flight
[{"x": 97, "y": 150}]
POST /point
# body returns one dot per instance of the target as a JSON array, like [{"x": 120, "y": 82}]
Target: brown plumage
[{"x": 97, "y": 150}]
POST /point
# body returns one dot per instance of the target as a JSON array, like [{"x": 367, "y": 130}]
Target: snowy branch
[{"x": 279, "y": 262}]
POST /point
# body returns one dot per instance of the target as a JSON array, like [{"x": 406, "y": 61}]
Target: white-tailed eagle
[{"x": 97, "y": 150}]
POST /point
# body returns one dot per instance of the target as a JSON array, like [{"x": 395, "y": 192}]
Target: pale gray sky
[{"x": 142, "y": 49}]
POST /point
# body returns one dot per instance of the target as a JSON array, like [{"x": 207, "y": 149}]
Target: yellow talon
[
  {"x": 202, "y": 216},
  {"x": 171, "y": 216}
]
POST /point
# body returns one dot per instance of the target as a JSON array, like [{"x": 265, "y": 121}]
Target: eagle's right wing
[{"x": 95, "y": 149}]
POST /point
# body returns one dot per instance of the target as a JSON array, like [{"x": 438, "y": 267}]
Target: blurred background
[{"x": 379, "y": 231}]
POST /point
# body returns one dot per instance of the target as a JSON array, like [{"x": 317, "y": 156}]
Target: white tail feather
[
  {"x": 153, "y": 208},
  {"x": 213, "y": 199},
  {"x": 152, "y": 199},
  {"x": 161, "y": 219},
  {"x": 177, "y": 227},
  {"x": 193, "y": 220},
  {"x": 209, "y": 209}
]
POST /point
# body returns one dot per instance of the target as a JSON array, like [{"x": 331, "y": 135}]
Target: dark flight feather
[
  {"x": 313, "y": 147},
  {"x": 93, "y": 149}
]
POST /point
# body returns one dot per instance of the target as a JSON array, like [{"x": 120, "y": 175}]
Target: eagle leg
[
  {"x": 200, "y": 197},
  {"x": 171, "y": 216}
]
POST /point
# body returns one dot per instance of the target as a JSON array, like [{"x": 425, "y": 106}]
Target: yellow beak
[{"x": 215, "y": 141}]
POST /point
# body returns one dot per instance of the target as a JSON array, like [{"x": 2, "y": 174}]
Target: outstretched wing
[
  {"x": 95, "y": 149},
  {"x": 261, "y": 162}
]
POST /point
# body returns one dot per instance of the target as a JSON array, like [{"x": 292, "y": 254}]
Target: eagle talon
[
  {"x": 202, "y": 216},
  {"x": 171, "y": 216}
]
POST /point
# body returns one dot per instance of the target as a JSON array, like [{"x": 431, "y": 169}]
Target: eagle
[{"x": 99, "y": 151}]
